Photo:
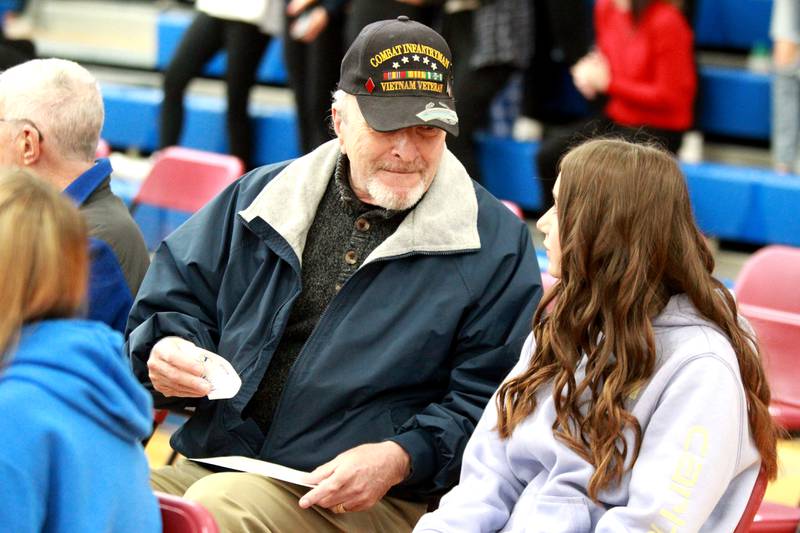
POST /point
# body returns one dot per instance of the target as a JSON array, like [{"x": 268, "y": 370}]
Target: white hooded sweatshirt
[{"x": 695, "y": 471}]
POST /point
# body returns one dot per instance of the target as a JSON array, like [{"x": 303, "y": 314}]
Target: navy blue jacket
[{"x": 410, "y": 349}]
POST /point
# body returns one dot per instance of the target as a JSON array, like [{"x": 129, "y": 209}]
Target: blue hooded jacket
[{"x": 72, "y": 424}]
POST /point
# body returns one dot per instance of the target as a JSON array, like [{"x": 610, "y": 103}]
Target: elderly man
[
  {"x": 52, "y": 114},
  {"x": 370, "y": 296}
]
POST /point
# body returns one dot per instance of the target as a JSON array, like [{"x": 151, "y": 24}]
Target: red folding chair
[
  {"x": 779, "y": 337},
  {"x": 103, "y": 149},
  {"x": 516, "y": 209},
  {"x": 179, "y": 515},
  {"x": 771, "y": 278},
  {"x": 753, "y": 503},
  {"x": 181, "y": 181},
  {"x": 775, "y": 518}
]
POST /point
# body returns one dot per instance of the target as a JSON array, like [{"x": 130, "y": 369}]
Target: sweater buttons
[
  {"x": 362, "y": 224},
  {"x": 350, "y": 257}
]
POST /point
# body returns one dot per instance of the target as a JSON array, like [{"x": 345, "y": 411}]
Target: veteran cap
[{"x": 400, "y": 71}]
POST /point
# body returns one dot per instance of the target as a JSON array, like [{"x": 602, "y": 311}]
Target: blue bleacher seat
[
  {"x": 508, "y": 170},
  {"x": 778, "y": 202},
  {"x": 733, "y": 24},
  {"x": 131, "y": 116},
  {"x": 173, "y": 23},
  {"x": 722, "y": 200},
  {"x": 730, "y": 201},
  {"x": 734, "y": 102},
  {"x": 132, "y": 121}
]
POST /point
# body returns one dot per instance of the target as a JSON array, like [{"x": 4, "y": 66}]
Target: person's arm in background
[
  {"x": 311, "y": 17},
  {"x": 785, "y": 34}
]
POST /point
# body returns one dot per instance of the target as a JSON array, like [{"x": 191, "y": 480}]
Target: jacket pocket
[{"x": 550, "y": 514}]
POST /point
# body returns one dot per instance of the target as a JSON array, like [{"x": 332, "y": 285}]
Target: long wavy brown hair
[
  {"x": 628, "y": 243},
  {"x": 43, "y": 255}
]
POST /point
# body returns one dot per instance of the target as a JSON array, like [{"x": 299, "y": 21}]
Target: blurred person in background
[
  {"x": 643, "y": 70},
  {"x": 313, "y": 47},
  {"x": 785, "y": 32},
  {"x": 490, "y": 41},
  {"x": 241, "y": 28},
  {"x": 51, "y": 116}
]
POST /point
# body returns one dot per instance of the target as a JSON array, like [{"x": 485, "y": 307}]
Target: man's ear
[
  {"x": 336, "y": 117},
  {"x": 29, "y": 143}
]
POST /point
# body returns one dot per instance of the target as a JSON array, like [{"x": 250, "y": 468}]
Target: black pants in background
[
  {"x": 244, "y": 44},
  {"x": 553, "y": 148},
  {"x": 15, "y": 51},
  {"x": 313, "y": 71},
  {"x": 363, "y": 12},
  {"x": 474, "y": 89}
]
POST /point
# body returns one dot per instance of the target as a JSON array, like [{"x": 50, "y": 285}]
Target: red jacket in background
[{"x": 653, "y": 76}]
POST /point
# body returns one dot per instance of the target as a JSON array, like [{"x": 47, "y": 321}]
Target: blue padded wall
[
  {"x": 508, "y": 170},
  {"x": 132, "y": 122},
  {"x": 736, "y": 24},
  {"x": 734, "y": 102}
]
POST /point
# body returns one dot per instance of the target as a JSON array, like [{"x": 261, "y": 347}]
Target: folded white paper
[
  {"x": 256, "y": 466},
  {"x": 224, "y": 380}
]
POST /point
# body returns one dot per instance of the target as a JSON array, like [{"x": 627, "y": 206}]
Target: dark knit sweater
[{"x": 344, "y": 232}]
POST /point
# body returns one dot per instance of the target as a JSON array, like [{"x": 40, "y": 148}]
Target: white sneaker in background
[
  {"x": 691, "y": 150},
  {"x": 527, "y": 129}
]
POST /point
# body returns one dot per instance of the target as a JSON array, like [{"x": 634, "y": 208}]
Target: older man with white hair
[
  {"x": 51, "y": 114},
  {"x": 369, "y": 295}
]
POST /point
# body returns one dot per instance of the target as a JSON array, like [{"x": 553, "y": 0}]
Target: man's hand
[
  {"x": 176, "y": 368},
  {"x": 356, "y": 479}
]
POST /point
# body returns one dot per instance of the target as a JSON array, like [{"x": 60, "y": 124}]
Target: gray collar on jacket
[{"x": 445, "y": 220}]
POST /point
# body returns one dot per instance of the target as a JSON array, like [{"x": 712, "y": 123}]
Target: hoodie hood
[
  {"x": 680, "y": 312},
  {"x": 81, "y": 363}
]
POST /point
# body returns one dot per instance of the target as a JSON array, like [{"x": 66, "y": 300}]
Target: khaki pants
[{"x": 244, "y": 503}]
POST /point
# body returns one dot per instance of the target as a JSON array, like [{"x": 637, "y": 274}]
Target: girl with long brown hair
[
  {"x": 639, "y": 402},
  {"x": 73, "y": 416}
]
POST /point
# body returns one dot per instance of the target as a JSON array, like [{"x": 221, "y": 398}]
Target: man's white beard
[{"x": 389, "y": 199}]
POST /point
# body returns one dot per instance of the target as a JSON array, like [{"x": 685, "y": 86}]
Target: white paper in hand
[{"x": 224, "y": 380}]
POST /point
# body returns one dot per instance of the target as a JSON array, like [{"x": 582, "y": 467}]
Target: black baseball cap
[{"x": 401, "y": 73}]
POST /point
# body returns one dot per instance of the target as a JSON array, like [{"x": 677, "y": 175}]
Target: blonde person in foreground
[
  {"x": 639, "y": 402},
  {"x": 73, "y": 416}
]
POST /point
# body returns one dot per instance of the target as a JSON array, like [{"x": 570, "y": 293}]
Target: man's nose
[{"x": 403, "y": 145}]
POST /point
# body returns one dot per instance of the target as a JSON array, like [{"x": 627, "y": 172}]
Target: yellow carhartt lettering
[
  {"x": 672, "y": 517},
  {"x": 697, "y": 432},
  {"x": 687, "y": 472}
]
